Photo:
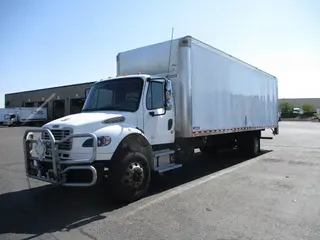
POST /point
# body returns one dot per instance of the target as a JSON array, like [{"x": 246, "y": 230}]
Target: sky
[{"x": 51, "y": 43}]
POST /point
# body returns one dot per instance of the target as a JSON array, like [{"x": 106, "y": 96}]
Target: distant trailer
[{"x": 28, "y": 116}]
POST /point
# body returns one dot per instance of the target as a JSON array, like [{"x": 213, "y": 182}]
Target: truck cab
[
  {"x": 10, "y": 119},
  {"x": 144, "y": 102},
  {"x": 121, "y": 116}
]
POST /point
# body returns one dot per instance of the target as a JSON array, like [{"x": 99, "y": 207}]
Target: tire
[
  {"x": 254, "y": 149},
  {"x": 250, "y": 146},
  {"x": 130, "y": 177}
]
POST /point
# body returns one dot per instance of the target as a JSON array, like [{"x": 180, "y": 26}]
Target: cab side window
[{"x": 155, "y": 95}]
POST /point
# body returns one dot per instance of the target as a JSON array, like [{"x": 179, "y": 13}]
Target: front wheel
[{"x": 130, "y": 177}]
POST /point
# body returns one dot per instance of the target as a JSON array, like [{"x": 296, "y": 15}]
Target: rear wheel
[
  {"x": 254, "y": 148},
  {"x": 249, "y": 145},
  {"x": 130, "y": 177}
]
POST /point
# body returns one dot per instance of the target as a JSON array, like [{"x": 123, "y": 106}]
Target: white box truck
[
  {"x": 19, "y": 116},
  {"x": 168, "y": 99}
]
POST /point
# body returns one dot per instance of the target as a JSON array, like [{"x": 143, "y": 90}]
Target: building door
[
  {"x": 76, "y": 105},
  {"x": 29, "y": 104},
  {"x": 58, "y": 108}
]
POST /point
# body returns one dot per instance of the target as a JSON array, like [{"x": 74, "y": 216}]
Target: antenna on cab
[{"x": 169, "y": 62}]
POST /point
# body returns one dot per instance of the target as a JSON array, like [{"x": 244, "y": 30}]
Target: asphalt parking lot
[{"x": 273, "y": 196}]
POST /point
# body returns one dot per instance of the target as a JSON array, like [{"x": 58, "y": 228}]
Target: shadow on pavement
[
  {"x": 199, "y": 167},
  {"x": 50, "y": 208}
]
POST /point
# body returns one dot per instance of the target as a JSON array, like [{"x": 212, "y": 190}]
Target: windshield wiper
[
  {"x": 90, "y": 109},
  {"x": 114, "y": 108}
]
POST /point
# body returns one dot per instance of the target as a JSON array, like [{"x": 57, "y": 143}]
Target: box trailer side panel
[
  {"x": 39, "y": 114},
  {"x": 213, "y": 91},
  {"x": 32, "y": 114},
  {"x": 229, "y": 95}
]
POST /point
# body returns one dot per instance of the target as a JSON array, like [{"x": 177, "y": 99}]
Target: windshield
[{"x": 119, "y": 95}]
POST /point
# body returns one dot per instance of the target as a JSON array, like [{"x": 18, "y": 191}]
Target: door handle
[
  {"x": 170, "y": 124},
  {"x": 154, "y": 114}
]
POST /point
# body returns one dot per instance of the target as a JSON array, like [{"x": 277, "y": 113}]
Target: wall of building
[
  {"x": 299, "y": 102},
  {"x": 49, "y": 96}
]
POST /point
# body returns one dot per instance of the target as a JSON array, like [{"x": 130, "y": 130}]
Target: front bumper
[
  {"x": 56, "y": 170},
  {"x": 8, "y": 123}
]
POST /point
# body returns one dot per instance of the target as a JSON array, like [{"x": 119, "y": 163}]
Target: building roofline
[
  {"x": 50, "y": 88},
  {"x": 298, "y": 98}
]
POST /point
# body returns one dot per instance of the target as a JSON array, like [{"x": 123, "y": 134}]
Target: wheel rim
[
  {"x": 134, "y": 175},
  {"x": 256, "y": 145}
]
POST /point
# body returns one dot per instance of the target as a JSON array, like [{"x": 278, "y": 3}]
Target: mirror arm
[{"x": 165, "y": 96}]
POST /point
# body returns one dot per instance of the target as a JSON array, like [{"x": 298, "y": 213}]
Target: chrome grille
[{"x": 59, "y": 134}]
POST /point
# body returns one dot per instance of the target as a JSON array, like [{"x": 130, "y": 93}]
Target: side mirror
[{"x": 167, "y": 101}]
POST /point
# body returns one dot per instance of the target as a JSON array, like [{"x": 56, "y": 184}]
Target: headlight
[
  {"x": 102, "y": 141},
  {"x": 29, "y": 136}
]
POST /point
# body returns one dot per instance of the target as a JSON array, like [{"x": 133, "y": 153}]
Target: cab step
[
  {"x": 164, "y": 160},
  {"x": 164, "y": 152},
  {"x": 169, "y": 167}
]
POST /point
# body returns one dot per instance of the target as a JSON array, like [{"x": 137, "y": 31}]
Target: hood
[{"x": 90, "y": 118}]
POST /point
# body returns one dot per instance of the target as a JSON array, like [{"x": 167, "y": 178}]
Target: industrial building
[
  {"x": 60, "y": 101},
  {"x": 299, "y": 102}
]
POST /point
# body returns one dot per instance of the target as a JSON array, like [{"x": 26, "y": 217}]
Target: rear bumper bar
[{"x": 56, "y": 170}]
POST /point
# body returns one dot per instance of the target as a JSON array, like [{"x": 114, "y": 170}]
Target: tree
[
  {"x": 307, "y": 108},
  {"x": 286, "y": 107}
]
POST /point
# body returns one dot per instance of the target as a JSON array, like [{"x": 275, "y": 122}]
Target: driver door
[{"x": 159, "y": 129}]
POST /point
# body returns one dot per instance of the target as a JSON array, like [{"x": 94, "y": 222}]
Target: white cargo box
[
  {"x": 214, "y": 92},
  {"x": 32, "y": 114}
]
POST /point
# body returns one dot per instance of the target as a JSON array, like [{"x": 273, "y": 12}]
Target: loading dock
[
  {"x": 58, "y": 108},
  {"x": 76, "y": 105},
  {"x": 60, "y": 101},
  {"x": 29, "y": 104},
  {"x": 39, "y": 104}
]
